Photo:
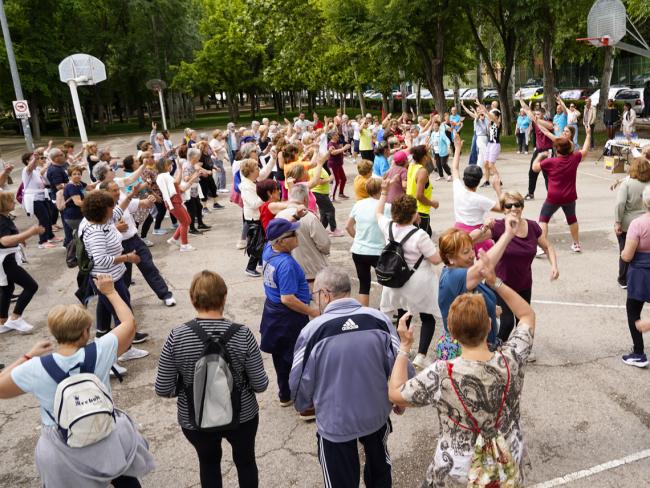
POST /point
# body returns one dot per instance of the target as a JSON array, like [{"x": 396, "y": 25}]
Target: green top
[{"x": 323, "y": 188}]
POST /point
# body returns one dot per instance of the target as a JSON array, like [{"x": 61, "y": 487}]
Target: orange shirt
[{"x": 360, "y": 187}]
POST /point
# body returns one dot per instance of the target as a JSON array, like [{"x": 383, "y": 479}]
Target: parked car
[
  {"x": 369, "y": 93},
  {"x": 490, "y": 95},
  {"x": 424, "y": 95},
  {"x": 613, "y": 90},
  {"x": 449, "y": 94},
  {"x": 527, "y": 92},
  {"x": 397, "y": 95},
  {"x": 469, "y": 94},
  {"x": 633, "y": 96},
  {"x": 575, "y": 94},
  {"x": 640, "y": 80}
]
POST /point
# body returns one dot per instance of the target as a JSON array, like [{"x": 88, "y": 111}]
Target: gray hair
[
  {"x": 193, "y": 153},
  {"x": 54, "y": 152},
  {"x": 646, "y": 197},
  {"x": 100, "y": 170},
  {"x": 299, "y": 193},
  {"x": 335, "y": 280},
  {"x": 203, "y": 136},
  {"x": 246, "y": 149}
]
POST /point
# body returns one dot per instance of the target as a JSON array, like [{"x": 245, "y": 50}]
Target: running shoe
[
  {"x": 140, "y": 337},
  {"x": 575, "y": 247},
  {"x": 173, "y": 242},
  {"x": 622, "y": 284},
  {"x": 204, "y": 227},
  {"x": 336, "y": 233},
  {"x": 529, "y": 196},
  {"x": 253, "y": 273},
  {"x": 133, "y": 353},
  {"x": 121, "y": 370},
  {"x": 540, "y": 252},
  {"x": 19, "y": 325},
  {"x": 169, "y": 302},
  {"x": 187, "y": 248},
  {"x": 421, "y": 361},
  {"x": 223, "y": 190},
  {"x": 344, "y": 197},
  {"x": 56, "y": 239},
  {"x": 195, "y": 232},
  {"x": 217, "y": 206},
  {"x": 47, "y": 245},
  {"x": 638, "y": 360},
  {"x": 308, "y": 414},
  {"x": 205, "y": 211},
  {"x": 485, "y": 185},
  {"x": 286, "y": 403},
  {"x": 159, "y": 232},
  {"x": 147, "y": 243}
]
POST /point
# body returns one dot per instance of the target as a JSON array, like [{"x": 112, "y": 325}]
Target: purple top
[
  {"x": 334, "y": 159},
  {"x": 515, "y": 265},
  {"x": 395, "y": 189}
]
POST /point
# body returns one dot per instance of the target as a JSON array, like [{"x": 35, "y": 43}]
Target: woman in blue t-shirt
[
  {"x": 523, "y": 132},
  {"x": 462, "y": 274},
  {"x": 73, "y": 194}
]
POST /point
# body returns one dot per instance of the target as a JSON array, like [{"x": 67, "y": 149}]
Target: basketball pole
[
  {"x": 162, "y": 108},
  {"x": 77, "y": 110},
  {"x": 27, "y": 130}
]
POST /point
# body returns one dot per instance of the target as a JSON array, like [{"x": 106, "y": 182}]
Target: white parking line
[
  {"x": 578, "y": 304},
  {"x": 585, "y": 473},
  {"x": 596, "y": 176}
]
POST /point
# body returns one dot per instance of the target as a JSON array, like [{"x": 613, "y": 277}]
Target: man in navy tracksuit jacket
[{"x": 341, "y": 364}]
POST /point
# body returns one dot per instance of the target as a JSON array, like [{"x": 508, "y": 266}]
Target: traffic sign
[{"x": 22, "y": 109}]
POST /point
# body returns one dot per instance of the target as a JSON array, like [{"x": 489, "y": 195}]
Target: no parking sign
[{"x": 21, "y": 109}]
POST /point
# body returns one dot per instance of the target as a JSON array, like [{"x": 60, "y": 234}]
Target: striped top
[
  {"x": 103, "y": 244},
  {"x": 183, "y": 349}
]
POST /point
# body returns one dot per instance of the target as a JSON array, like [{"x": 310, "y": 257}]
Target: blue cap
[{"x": 278, "y": 227}]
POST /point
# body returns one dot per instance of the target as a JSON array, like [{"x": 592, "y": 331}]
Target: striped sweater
[
  {"x": 183, "y": 349},
  {"x": 103, "y": 244}
]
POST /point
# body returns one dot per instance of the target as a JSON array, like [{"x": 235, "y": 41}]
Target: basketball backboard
[{"x": 84, "y": 69}]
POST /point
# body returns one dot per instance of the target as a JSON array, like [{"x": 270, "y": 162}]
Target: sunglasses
[{"x": 508, "y": 206}]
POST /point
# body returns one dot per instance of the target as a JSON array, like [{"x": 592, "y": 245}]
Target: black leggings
[
  {"x": 507, "y": 320},
  {"x": 363, "y": 263},
  {"x": 633, "y": 308},
  {"x": 532, "y": 175},
  {"x": 160, "y": 215},
  {"x": 326, "y": 210},
  {"x": 369, "y": 155},
  {"x": 426, "y": 332},
  {"x": 126, "y": 482},
  {"x": 521, "y": 142},
  {"x": 195, "y": 209},
  {"x": 425, "y": 223},
  {"x": 441, "y": 164},
  {"x": 16, "y": 275},
  {"x": 208, "y": 448}
]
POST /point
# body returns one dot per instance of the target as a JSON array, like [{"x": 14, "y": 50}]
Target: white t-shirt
[
  {"x": 470, "y": 208},
  {"x": 419, "y": 244},
  {"x": 355, "y": 128}
]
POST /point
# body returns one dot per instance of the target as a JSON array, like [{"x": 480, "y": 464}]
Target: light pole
[{"x": 27, "y": 130}]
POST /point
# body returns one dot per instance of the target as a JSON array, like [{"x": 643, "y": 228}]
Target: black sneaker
[
  {"x": 140, "y": 337},
  {"x": 194, "y": 232},
  {"x": 217, "y": 206},
  {"x": 485, "y": 185},
  {"x": 622, "y": 284},
  {"x": 253, "y": 273},
  {"x": 529, "y": 196},
  {"x": 204, "y": 227}
]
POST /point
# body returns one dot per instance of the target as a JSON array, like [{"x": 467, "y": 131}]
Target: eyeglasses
[
  {"x": 508, "y": 206},
  {"x": 318, "y": 292},
  {"x": 288, "y": 236}
]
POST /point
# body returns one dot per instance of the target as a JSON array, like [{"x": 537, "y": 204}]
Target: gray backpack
[{"x": 215, "y": 394}]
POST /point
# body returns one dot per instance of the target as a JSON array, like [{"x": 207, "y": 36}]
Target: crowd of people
[{"x": 287, "y": 178}]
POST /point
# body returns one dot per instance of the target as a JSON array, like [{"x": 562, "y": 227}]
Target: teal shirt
[{"x": 368, "y": 238}]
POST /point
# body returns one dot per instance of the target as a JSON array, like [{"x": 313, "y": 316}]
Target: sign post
[
  {"x": 81, "y": 70},
  {"x": 21, "y": 109},
  {"x": 159, "y": 86},
  {"x": 27, "y": 130}
]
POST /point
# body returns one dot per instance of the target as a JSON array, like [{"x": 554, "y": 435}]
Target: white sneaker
[
  {"x": 147, "y": 242},
  {"x": 120, "y": 369},
  {"x": 540, "y": 252},
  {"x": 133, "y": 353},
  {"x": 19, "y": 325},
  {"x": 421, "y": 361},
  {"x": 223, "y": 190},
  {"x": 173, "y": 242},
  {"x": 187, "y": 248},
  {"x": 241, "y": 244},
  {"x": 576, "y": 247},
  {"x": 169, "y": 302},
  {"x": 4, "y": 329}
]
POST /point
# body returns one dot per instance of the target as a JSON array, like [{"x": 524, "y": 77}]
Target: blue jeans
[
  {"x": 146, "y": 266},
  {"x": 104, "y": 308},
  {"x": 473, "y": 154}
]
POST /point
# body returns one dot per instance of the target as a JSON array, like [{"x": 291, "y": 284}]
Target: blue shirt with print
[{"x": 283, "y": 276}]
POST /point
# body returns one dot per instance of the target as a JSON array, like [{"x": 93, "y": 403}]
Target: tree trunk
[
  {"x": 605, "y": 81},
  {"x": 479, "y": 77},
  {"x": 549, "y": 74},
  {"x": 251, "y": 96},
  {"x": 418, "y": 98},
  {"x": 402, "y": 86},
  {"x": 64, "y": 120},
  {"x": 433, "y": 70},
  {"x": 362, "y": 100},
  {"x": 35, "y": 119},
  {"x": 457, "y": 93},
  {"x": 384, "y": 105},
  {"x": 140, "y": 116},
  {"x": 233, "y": 108}
]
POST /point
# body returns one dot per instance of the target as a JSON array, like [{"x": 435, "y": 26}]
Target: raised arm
[
  {"x": 455, "y": 164},
  {"x": 585, "y": 147}
]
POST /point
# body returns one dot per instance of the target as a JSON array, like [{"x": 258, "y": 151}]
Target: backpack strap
[
  {"x": 90, "y": 359},
  {"x": 50, "y": 366},
  {"x": 198, "y": 330},
  {"x": 226, "y": 336},
  {"x": 406, "y": 237},
  {"x": 476, "y": 428}
]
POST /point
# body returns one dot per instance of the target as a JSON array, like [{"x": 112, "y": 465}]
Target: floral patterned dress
[{"x": 481, "y": 385}]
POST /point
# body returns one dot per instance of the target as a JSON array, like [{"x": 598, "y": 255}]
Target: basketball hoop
[
  {"x": 158, "y": 86},
  {"x": 607, "y": 26}
]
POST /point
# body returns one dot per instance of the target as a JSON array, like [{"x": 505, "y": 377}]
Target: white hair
[
  {"x": 246, "y": 149},
  {"x": 193, "y": 153},
  {"x": 335, "y": 280},
  {"x": 299, "y": 193}
]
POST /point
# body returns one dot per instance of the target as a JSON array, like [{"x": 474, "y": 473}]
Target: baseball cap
[
  {"x": 278, "y": 227},
  {"x": 400, "y": 157}
]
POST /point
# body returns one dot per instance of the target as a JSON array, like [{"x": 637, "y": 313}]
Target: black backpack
[
  {"x": 392, "y": 269},
  {"x": 76, "y": 254}
]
